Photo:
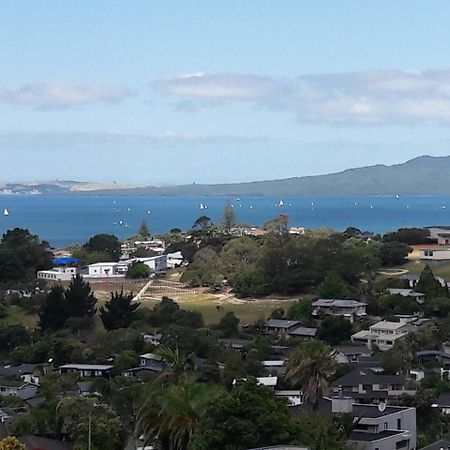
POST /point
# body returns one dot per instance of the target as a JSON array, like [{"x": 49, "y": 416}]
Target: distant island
[{"x": 419, "y": 176}]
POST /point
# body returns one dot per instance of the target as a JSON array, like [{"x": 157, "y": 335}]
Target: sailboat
[
  {"x": 5, "y": 212},
  {"x": 281, "y": 203},
  {"x": 203, "y": 206}
]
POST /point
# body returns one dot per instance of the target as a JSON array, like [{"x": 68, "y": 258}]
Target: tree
[
  {"x": 228, "y": 325},
  {"x": 22, "y": 254},
  {"x": 393, "y": 253},
  {"x": 333, "y": 286},
  {"x": 179, "y": 365},
  {"x": 75, "y": 413},
  {"x": 144, "y": 230},
  {"x": 80, "y": 298},
  {"x": 249, "y": 416},
  {"x": 278, "y": 225},
  {"x": 300, "y": 310},
  {"x": 409, "y": 236},
  {"x": 172, "y": 416},
  {"x": 335, "y": 330},
  {"x": 54, "y": 311},
  {"x": 11, "y": 443},
  {"x": 229, "y": 217},
  {"x": 429, "y": 285},
  {"x": 119, "y": 311},
  {"x": 250, "y": 282},
  {"x": 202, "y": 224},
  {"x": 105, "y": 243},
  {"x": 309, "y": 368},
  {"x": 138, "y": 270}
]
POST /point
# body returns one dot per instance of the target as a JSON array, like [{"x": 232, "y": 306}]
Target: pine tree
[
  {"x": 229, "y": 218},
  {"x": 53, "y": 312},
  {"x": 143, "y": 229},
  {"x": 80, "y": 298},
  {"x": 118, "y": 312}
]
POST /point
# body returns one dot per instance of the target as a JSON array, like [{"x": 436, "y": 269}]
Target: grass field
[
  {"x": 441, "y": 269},
  {"x": 213, "y": 307}
]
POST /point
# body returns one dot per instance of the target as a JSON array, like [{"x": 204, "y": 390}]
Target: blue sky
[{"x": 165, "y": 92}]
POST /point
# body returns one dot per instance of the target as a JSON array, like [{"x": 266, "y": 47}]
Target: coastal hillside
[{"x": 422, "y": 175}]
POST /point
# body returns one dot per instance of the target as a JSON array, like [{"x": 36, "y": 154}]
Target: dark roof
[
  {"x": 369, "y": 361},
  {"x": 11, "y": 382},
  {"x": 370, "y": 437},
  {"x": 369, "y": 395},
  {"x": 37, "y": 442},
  {"x": 281, "y": 323},
  {"x": 438, "y": 445},
  {"x": 353, "y": 349},
  {"x": 444, "y": 399},
  {"x": 36, "y": 401},
  {"x": 303, "y": 331},
  {"x": 361, "y": 410},
  {"x": 21, "y": 369},
  {"x": 361, "y": 376}
]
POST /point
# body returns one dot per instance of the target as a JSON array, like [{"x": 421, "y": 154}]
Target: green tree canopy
[
  {"x": 333, "y": 286},
  {"x": 138, "y": 270},
  {"x": 54, "y": 311},
  {"x": 429, "y": 285},
  {"x": 335, "y": 330},
  {"x": 80, "y": 298},
  {"x": 119, "y": 311},
  {"x": 249, "y": 416},
  {"x": 105, "y": 243},
  {"x": 144, "y": 231},
  {"x": 229, "y": 217}
]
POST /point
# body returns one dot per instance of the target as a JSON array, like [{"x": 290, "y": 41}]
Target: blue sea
[{"x": 64, "y": 220}]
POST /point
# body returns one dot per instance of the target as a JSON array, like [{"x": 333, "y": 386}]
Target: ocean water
[{"x": 63, "y": 220}]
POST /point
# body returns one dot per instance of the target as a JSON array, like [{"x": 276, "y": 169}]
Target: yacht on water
[{"x": 5, "y": 212}]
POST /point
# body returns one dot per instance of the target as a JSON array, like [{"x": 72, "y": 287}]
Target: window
[
  {"x": 385, "y": 424},
  {"x": 402, "y": 444},
  {"x": 399, "y": 424}
]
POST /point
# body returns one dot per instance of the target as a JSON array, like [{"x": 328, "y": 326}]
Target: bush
[{"x": 138, "y": 270}]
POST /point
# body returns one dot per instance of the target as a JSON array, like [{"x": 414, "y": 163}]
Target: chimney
[{"x": 341, "y": 404}]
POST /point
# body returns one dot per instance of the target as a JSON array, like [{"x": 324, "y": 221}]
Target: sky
[{"x": 171, "y": 92}]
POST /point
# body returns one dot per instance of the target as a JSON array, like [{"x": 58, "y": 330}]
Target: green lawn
[
  {"x": 441, "y": 269},
  {"x": 247, "y": 311}
]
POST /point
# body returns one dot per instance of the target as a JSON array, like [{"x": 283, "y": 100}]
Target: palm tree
[
  {"x": 310, "y": 368},
  {"x": 171, "y": 416},
  {"x": 178, "y": 364}
]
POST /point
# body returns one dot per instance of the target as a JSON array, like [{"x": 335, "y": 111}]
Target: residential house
[
  {"x": 152, "y": 362},
  {"x": 294, "y": 397},
  {"x": 16, "y": 386},
  {"x": 366, "y": 385},
  {"x": 155, "y": 263},
  {"x": 383, "y": 334},
  {"x": 29, "y": 373},
  {"x": 377, "y": 427},
  {"x": 350, "y": 354},
  {"x": 350, "y": 309},
  {"x": 435, "y": 254},
  {"x": 174, "y": 260},
  {"x": 436, "y": 230},
  {"x": 289, "y": 329},
  {"x": 107, "y": 270},
  {"x": 235, "y": 344},
  {"x": 276, "y": 367},
  {"x": 419, "y": 297},
  {"x": 443, "y": 403},
  {"x": 154, "y": 339},
  {"x": 438, "y": 445},
  {"x": 57, "y": 274},
  {"x": 87, "y": 370}
]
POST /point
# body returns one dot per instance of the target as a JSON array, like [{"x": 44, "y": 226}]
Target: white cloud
[
  {"x": 370, "y": 97},
  {"x": 63, "y": 95}
]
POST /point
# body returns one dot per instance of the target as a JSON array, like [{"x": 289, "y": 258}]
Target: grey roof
[
  {"x": 13, "y": 382},
  {"x": 444, "y": 399},
  {"x": 151, "y": 356},
  {"x": 22, "y": 369},
  {"x": 87, "y": 366},
  {"x": 360, "y": 436},
  {"x": 35, "y": 402},
  {"x": 438, "y": 445},
  {"x": 85, "y": 386},
  {"x": 361, "y": 376},
  {"x": 281, "y": 323},
  {"x": 33, "y": 442},
  {"x": 322, "y": 302},
  {"x": 303, "y": 331},
  {"x": 353, "y": 349},
  {"x": 362, "y": 410}
]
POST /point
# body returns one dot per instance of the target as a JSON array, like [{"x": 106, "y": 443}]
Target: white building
[
  {"x": 350, "y": 309},
  {"x": 435, "y": 254},
  {"x": 155, "y": 263},
  {"x": 107, "y": 270},
  {"x": 174, "y": 260},
  {"x": 383, "y": 334},
  {"x": 57, "y": 274}
]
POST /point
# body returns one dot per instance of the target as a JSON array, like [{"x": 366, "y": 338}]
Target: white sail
[{"x": 5, "y": 212}]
